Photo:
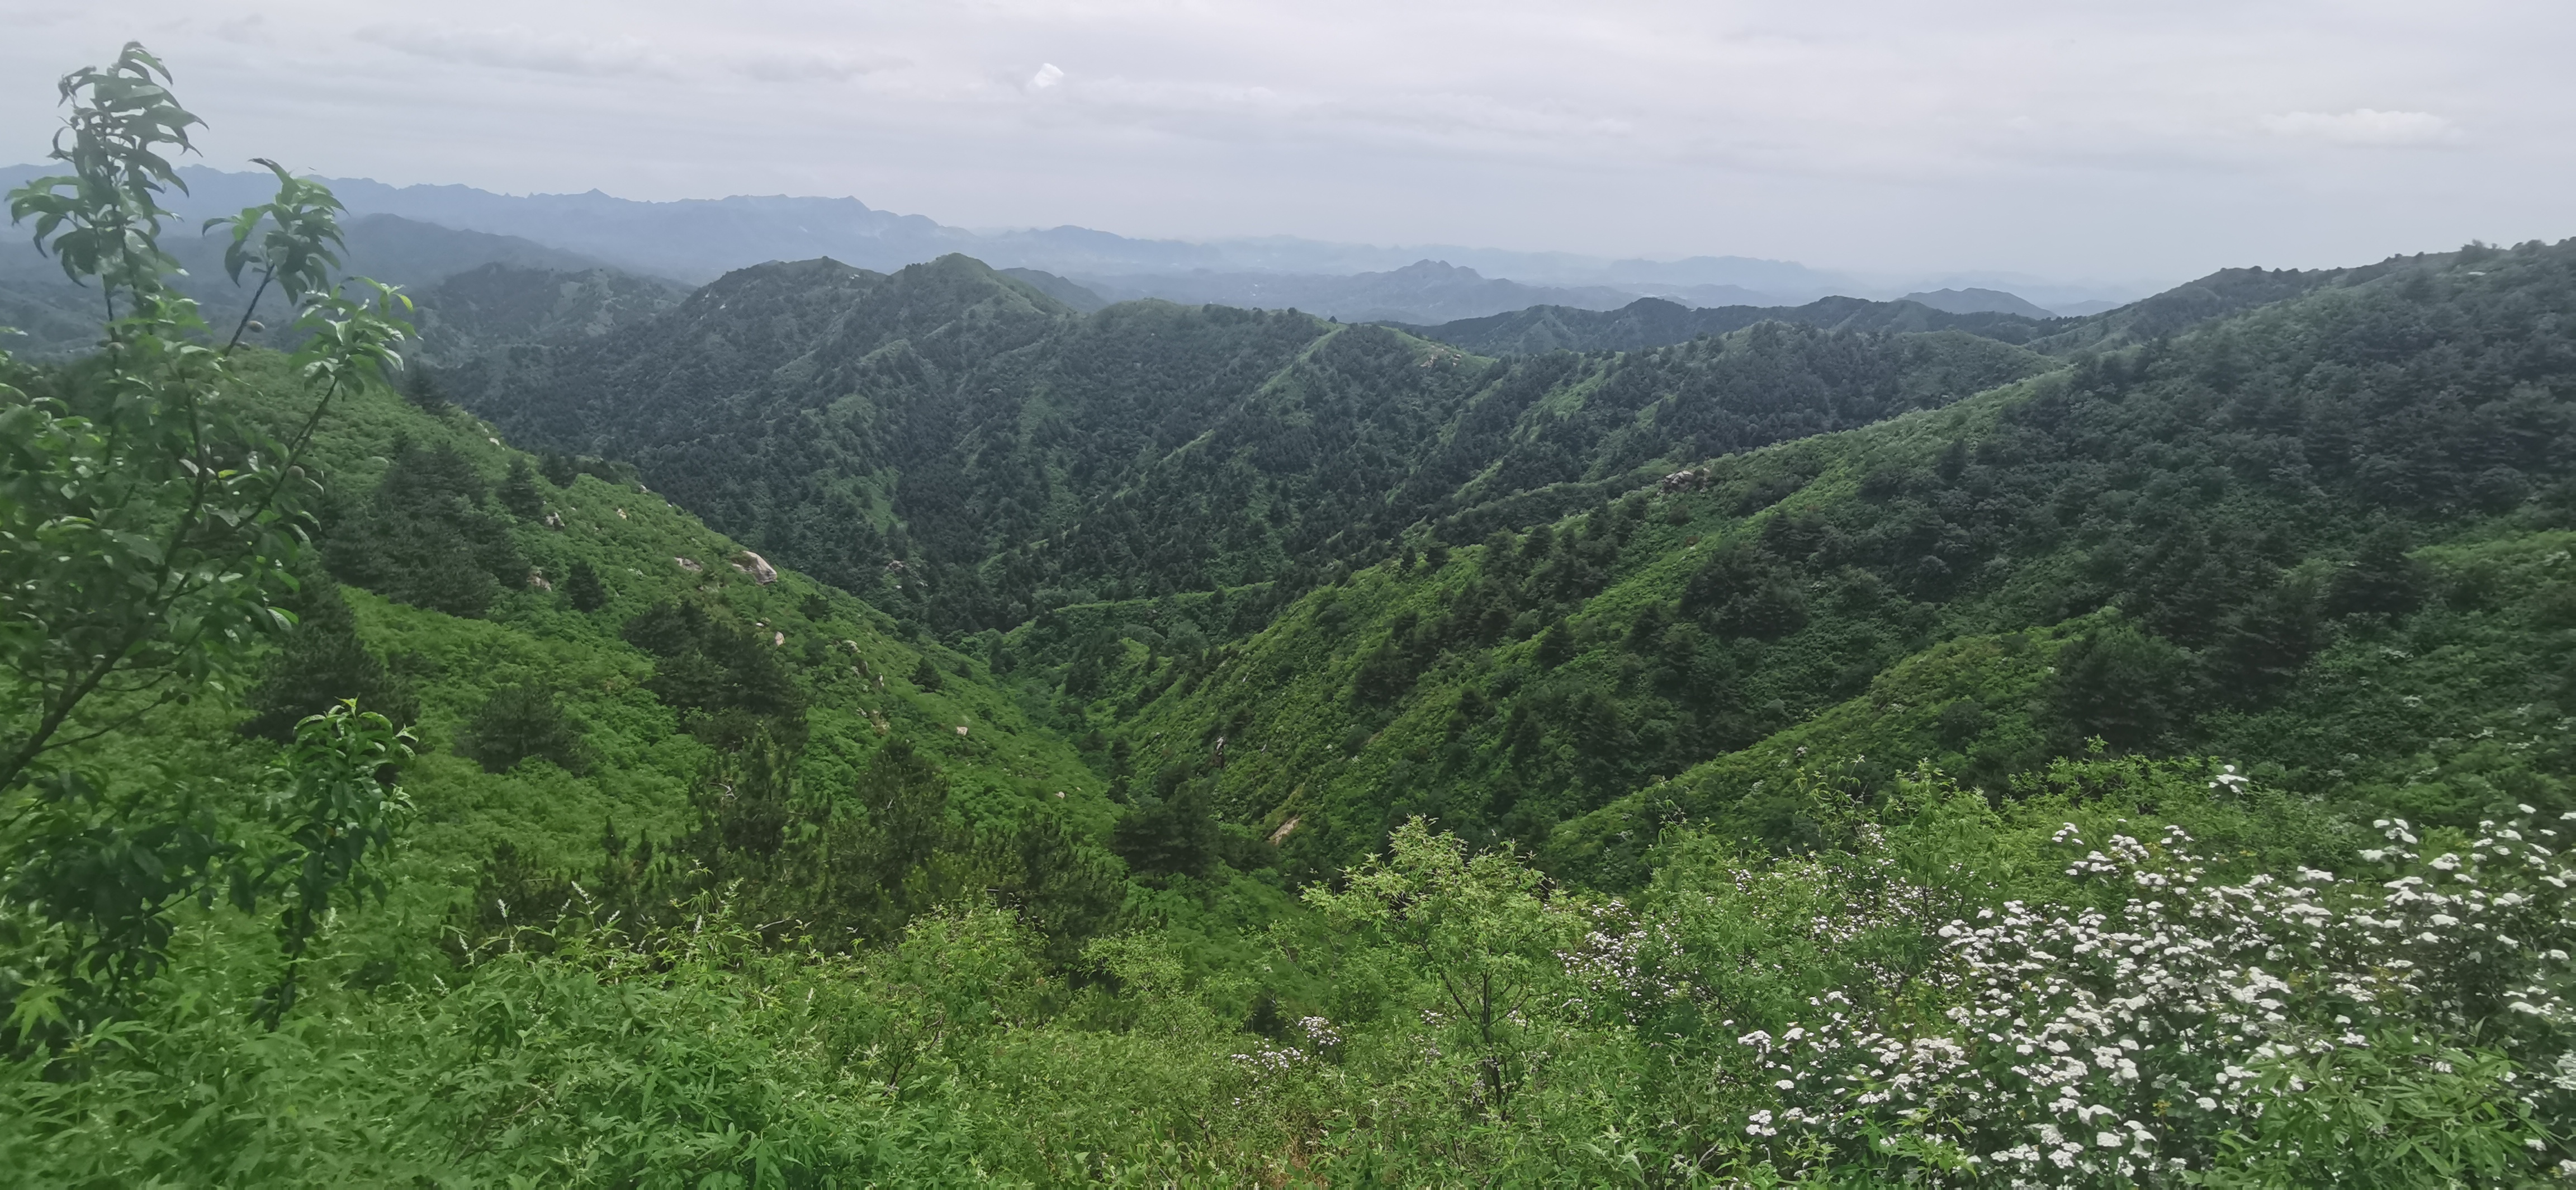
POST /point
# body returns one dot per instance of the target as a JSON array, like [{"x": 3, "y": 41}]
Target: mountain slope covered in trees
[
  {"x": 1011, "y": 455},
  {"x": 1137, "y": 488},
  {"x": 493, "y": 307},
  {"x": 2222, "y": 527},
  {"x": 965, "y": 453}
]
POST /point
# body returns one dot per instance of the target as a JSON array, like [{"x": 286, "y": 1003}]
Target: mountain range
[
  {"x": 1424, "y": 291},
  {"x": 952, "y": 441},
  {"x": 1465, "y": 569},
  {"x": 693, "y": 241},
  {"x": 57, "y": 317}
]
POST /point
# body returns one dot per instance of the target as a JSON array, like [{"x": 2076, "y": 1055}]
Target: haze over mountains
[
  {"x": 694, "y": 241},
  {"x": 57, "y": 317}
]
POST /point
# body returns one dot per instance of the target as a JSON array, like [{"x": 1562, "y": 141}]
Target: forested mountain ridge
[
  {"x": 1423, "y": 291},
  {"x": 1655, "y": 322},
  {"x": 2244, "y": 496},
  {"x": 458, "y": 557},
  {"x": 2234, "y": 291},
  {"x": 971, "y": 455},
  {"x": 1011, "y": 455},
  {"x": 1975, "y": 300},
  {"x": 489, "y": 309},
  {"x": 1082, "y": 300}
]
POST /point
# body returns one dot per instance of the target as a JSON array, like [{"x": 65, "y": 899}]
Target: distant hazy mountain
[
  {"x": 1424, "y": 291},
  {"x": 1056, "y": 287},
  {"x": 1655, "y": 322},
  {"x": 1712, "y": 295},
  {"x": 1978, "y": 301},
  {"x": 1712, "y": 277},
  {"x": 58, "y": 316},
  {"x": 695, "y": 240},
  {"x": 2085, "y": 309},
  {"x": 501, "y": 305}
]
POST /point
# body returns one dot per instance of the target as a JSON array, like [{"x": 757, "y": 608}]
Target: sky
[{"x": 2064, "y": 139}]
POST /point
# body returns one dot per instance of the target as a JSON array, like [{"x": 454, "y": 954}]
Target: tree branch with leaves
[{"x": 147, "y": 528}]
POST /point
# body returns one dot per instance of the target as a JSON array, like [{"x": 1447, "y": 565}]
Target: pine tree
[
  {"x": 584, "y": 589},
  {"x": 427, "y": 538},
  {"x": 2122, "y": 685},
  {"x": 2382, "y": 578},
  {"x": 423, "y": 390},
  {"x": 320, "y": 662},
  {"x": 1556, "y": 645},
  {"x": 517, "y": 722},
  {"x": 1174, "y": 835},
  {"x": 519, "y": 492}
]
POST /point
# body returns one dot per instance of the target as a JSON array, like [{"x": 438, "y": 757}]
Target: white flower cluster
[
  {"x": 2086, "y": 1044},
  {"x": 1268, "y": 1061},
  {"x": 1614, "y": 966}
]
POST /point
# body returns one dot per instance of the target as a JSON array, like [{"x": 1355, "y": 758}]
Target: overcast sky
[{"x": 2071, "y": 139}]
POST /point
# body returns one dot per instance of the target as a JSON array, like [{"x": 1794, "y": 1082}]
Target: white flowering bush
[
  {"x": 2130, "y": 972},
  {"x": 2405, "y": 1021},
  {"x": 1317, "y": 1040}
]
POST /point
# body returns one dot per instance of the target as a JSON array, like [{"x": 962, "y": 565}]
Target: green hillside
[
  {"x": 2223, "y": 525},
  {"x": 1180, "y": 745},
  {"x": 1656, "y": 322},
  {"x": 640, "y": 760},
  {"x": 1013, "y": 456},
  {"x": 486, "y": 310}
]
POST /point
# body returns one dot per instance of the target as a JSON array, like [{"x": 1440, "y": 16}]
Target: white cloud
[
  {"x": 810, "y": 66},
  {"x": 514, "y": 48},
  {"x": 250, "y": 29},
  {"x": 2364, "y": 126}
]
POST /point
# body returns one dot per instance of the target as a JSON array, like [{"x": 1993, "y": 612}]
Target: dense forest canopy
[
  {"x": 837, "y": 727},
  {"x": 1012, "y": 456}
]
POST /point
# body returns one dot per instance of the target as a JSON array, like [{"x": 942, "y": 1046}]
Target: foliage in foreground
[{"x": 2076, "y": 990}]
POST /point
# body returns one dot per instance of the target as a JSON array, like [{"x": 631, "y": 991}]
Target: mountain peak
[
  {"x": 1440, "y": 269},
  {"x": 1978, "y": 301}
]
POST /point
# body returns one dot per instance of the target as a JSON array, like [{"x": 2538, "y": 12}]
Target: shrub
[{"x": 520, "y": 721}]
